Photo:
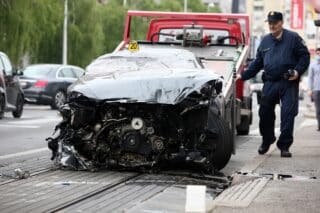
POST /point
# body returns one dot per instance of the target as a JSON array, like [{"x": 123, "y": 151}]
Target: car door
[
  {"x": 11, "y": 81},
  {"x": 66, "y": 77}
]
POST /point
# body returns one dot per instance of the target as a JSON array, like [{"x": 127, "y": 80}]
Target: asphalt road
[{"x": 28, "y": 132}]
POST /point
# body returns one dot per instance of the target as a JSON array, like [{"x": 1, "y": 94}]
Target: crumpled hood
[{"x": 168, "y": 86}]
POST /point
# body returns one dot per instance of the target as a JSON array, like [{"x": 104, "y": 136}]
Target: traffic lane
[{"x": 29, "y": 132}]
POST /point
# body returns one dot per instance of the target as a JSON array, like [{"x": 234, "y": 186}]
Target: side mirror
[{"x": 17, "y": 71}]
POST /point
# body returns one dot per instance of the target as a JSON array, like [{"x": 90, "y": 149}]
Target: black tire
[
  {"x": 19, "y": 107},
  {"x": 259, "y": 97},
  {"x": 58, "y": 99},
  {"x": 2, "y": 106},
  {"x": 244, "y": 127},
  {"x": 224, "y": 143}
]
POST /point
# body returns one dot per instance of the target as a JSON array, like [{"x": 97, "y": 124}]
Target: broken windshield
[{"x": 116, "y": 63}]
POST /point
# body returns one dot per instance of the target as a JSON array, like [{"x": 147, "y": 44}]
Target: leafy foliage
[{"x": 31, "y": 30}]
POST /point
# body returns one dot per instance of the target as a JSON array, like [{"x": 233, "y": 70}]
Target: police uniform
[{"x": 276, "y": 57}]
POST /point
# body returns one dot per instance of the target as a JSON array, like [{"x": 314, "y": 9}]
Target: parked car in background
[
  {"x": 11, "y": 94},
  {"x": 47, "y": 83}
]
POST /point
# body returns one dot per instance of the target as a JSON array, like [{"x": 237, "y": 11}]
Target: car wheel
[
  {"x": 19, "y": 107},
  {"x": 2, "y": 106},
  {"x": 58, "y": 99},
  {"x": 223, "y": 143}
]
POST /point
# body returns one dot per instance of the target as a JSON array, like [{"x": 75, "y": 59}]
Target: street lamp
[
  {"x": 65, "y": 32},
  {"x": 185, "y": 6}
]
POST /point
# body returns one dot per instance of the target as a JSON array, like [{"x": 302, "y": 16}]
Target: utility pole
[
  {"x": 65, "y": 34},
  {"x": 185, "y": 6}
]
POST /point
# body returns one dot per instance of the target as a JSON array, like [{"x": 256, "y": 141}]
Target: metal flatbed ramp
[
  {"x": 125, "y": 196},
  {"x": 50, "y": 190},
  {"x": 32, "y": 163}
]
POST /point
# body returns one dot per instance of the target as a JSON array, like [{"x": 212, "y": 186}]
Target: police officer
[{"x": 284, "y": 57}]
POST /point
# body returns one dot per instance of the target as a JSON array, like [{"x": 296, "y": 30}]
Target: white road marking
[
  {"x": 36, "y": 121},
  {"x": 2, "y": 157},
  {"x": 20, "y": 126}
]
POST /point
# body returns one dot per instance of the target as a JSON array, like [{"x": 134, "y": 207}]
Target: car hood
[{"x": 169, "y": 86}]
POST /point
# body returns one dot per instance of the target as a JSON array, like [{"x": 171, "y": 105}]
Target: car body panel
[{"x": 136, "y": 84}]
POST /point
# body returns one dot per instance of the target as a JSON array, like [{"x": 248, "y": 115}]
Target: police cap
[{"x": 274, "y": 16}]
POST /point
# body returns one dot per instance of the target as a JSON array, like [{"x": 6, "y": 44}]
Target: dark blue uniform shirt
[{"x": 276, "y": 57}]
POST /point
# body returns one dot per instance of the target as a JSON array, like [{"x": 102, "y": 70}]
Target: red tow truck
[{"x": 220, "y": 41}]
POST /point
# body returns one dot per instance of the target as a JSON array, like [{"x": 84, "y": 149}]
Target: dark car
[
  {"x": 145, "y": 109},
  {"x": 47, "y": 83},
  {"x": 11, "y": 94}
]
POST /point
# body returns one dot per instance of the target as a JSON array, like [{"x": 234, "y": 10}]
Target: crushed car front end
[{"x": 143, "y": 118}]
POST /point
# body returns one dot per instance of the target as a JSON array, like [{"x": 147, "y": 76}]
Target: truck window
[{"x": 214, "y": 34}]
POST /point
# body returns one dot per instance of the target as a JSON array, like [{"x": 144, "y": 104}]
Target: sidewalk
[{"x": 301, "y": 193}]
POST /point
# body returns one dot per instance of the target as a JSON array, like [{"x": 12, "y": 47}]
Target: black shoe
[
  {"x": 285, "y": 154},
  {"x": 263, "y": 149}
]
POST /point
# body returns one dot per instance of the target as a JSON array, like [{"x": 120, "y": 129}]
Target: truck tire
[
  {"x": 259, "y": 97},
  {"x": 2, "y": 106},
  {"x": 224, "y": 144},
  {"x": 19, "y": 107},
  {"x": 244, "y": 127}
]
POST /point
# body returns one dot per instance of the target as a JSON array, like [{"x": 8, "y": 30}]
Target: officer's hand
[
  {"x": 238, "y": 77},
  {"x": 310, "y": 93},
  {"x": 295, "y": 76}
]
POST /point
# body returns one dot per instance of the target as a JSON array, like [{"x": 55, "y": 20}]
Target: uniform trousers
[{"x": 285, "y": 93}]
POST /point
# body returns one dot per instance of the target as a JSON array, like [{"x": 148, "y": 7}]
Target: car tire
[
  {"x": 2, "y": 106},
  {"x": 58, "y": 99},
  {"x": 19, "y": 107},
  {"x": 224, "y": 144},
  {"x": 244, "y": 127}
]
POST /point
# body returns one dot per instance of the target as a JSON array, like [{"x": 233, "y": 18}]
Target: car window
[
  {"x": 78, "y": 72},
  {"x": 7, "y": 65},
  {"x": 66, "y": 73},
  {"x": 37, "y": 71},
  {"x": 169, "y": 35}
]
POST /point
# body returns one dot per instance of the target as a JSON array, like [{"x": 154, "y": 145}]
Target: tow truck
[{"x": 220, "y": 41}]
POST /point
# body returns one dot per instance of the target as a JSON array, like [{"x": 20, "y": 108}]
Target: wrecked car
[{"x": 144, "y": 109}]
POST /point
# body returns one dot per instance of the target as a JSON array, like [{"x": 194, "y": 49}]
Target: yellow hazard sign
[{"x": 133, "y": 46}]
